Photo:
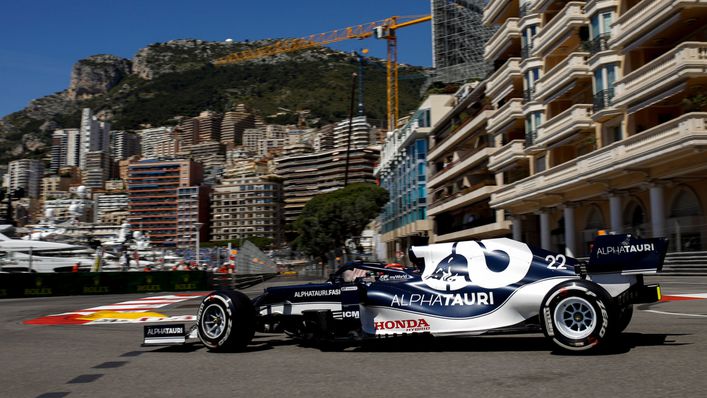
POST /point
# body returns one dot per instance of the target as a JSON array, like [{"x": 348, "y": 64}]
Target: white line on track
[{"x": 676, "y": 313}]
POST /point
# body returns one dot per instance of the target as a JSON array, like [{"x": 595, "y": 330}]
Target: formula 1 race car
[{"x": 462, "y": 288}]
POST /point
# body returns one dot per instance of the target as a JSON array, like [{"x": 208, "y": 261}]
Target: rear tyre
[
  {"x": 226, "y": 321},
  {"x": 578, "y": 316}
]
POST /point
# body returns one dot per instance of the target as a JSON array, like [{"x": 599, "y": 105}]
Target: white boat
[{"x": 38, "y": 256}]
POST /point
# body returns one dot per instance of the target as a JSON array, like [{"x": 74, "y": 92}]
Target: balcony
[
  {"x": 562, "y": 77},
  {"x": 508, "y": 113},
  {"x": 461, "y": 199},
  {"x": 497, "y": 10},
  {"x": 457, "y": 168},
  {"x": 597, "y": 44},
  {"x": 666, "y": 149},
  {"x": 490, "y": 230},
  {"x": 500, "y": 83},
  {"x": 507, "y": 155},
  {"x": 647, "y": 18},
  {"x": 554, "y": 33},
  {"x": 478, "y": 122},
  {"x": 502, "y": 40},
  {"x": 564, "y": 125},
  {"x": 689, "y": 59},
  {"x": 603, "y": 99}
]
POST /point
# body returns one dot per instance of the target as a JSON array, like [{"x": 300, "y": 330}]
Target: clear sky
[{"x": 41, "y": 39}]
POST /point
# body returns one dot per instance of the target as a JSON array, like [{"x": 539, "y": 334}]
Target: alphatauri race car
[{"x": 462, "y": 288}]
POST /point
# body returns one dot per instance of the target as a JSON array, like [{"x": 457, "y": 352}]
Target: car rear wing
[{"x": 627, "y": 254}]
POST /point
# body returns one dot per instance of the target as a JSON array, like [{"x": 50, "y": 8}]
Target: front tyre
[
  {"x": 578, "y": 316},
  {"x": 226, "y": 321}
]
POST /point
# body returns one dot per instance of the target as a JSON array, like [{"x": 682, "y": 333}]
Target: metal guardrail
[{"x": 230, "y": 281}]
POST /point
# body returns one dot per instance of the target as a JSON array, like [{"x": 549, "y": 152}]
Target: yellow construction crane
[{"x": 383, "y": 29}]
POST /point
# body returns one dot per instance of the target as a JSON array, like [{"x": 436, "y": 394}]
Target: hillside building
[
  {"x": 306, "y": 175},
  {"x": 25, "y": 174},
  {"x": 94, "y": 135},
  {"x": 167, "y": 201},
  {"x": 66, "y": 148}
]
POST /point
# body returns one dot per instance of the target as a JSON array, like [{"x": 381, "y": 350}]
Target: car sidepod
[{"x": 466, "y": 287}]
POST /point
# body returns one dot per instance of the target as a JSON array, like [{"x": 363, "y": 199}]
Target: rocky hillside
[{"x": 167, "y": 80}]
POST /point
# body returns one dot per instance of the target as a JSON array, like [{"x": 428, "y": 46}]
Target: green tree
[{"x": 329, "y": 219}]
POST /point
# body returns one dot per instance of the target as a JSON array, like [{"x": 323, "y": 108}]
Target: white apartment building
[
  {"x": 26, "y": 174},
  {"x": 158, "y": 142},
  {"x": 360, "y": 133},
  {"x": 95, "y": 135}
]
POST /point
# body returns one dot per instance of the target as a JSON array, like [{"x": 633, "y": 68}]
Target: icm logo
[
  {"x": 490, "y": 263},
  {"x": 350, "y": 314}
]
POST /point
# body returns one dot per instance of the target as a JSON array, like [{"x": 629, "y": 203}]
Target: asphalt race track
[{"x": 662, "y": 353}]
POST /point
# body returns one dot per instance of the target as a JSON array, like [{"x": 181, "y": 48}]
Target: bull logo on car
[{"x": 490, "y": 264}]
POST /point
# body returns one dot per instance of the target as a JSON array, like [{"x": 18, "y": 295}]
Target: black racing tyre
[
  {"x": 226, "y": 321},
  {"x": 624, "y": 318},
  {"x": 578, "y": 316}
]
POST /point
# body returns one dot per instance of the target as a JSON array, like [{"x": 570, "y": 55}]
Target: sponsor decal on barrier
[
  {"x": 407, "y": 325},
  {"x": 39, "y": 290},
  {"x": 318, "y": 293},
  {"x": 475, "y": 298}
]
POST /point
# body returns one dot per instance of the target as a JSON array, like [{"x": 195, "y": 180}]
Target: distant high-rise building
[
  {"x": 123, "y": 144},
  {"x": 309, "y": 174},
  {"x": 159, "y": 142},
  {"x": 251, "y": 137},
  {"x": 247, "y": 205},
  {"x": 187, "y": 131},
  {"x": 66, "y": 148},
  {"x": 95, "y": 135},
  {"x": 26, "y": 174},
  {"x": 234, "y": 124},
  {"x": 97, "y": 169},
  {"x": 360, "y": 133},
  {"x": 167, "y": 201},
  {"x": 209, "y": 126},
  {"x": 458, "y": 39},
  {"x": 324, "y": 139}
]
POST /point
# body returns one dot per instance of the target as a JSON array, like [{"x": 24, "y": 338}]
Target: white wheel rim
[
  {"x": 575, "y": 318},
  {"x": 213, "y": 321}
]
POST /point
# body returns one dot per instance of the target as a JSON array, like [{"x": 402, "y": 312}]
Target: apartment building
[
  {"x": 234, "y": 124},
  {"x": 111, "y": 208},
  {"x": 66, "y": 148},
  {"x": 402, "y": 171},
  {"x": 123, "y": 144},
  {"x": 246, "y": 205},
  {"x": 360, "y": 133},
  {"x": 159, "y": 142},
  {"x": 306, "y": 175},
  {"x": 460, "y": 183},
  {"x": 166, "y": 201},
  {"x": 25, "y": 174},
  {"x": 94, "y": 135},
  {"x": 609, "y": 97}
]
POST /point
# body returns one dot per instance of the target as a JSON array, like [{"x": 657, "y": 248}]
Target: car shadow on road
[
  {"x": 628, "y": 341},
  {"x": 623, "y": 344}
]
